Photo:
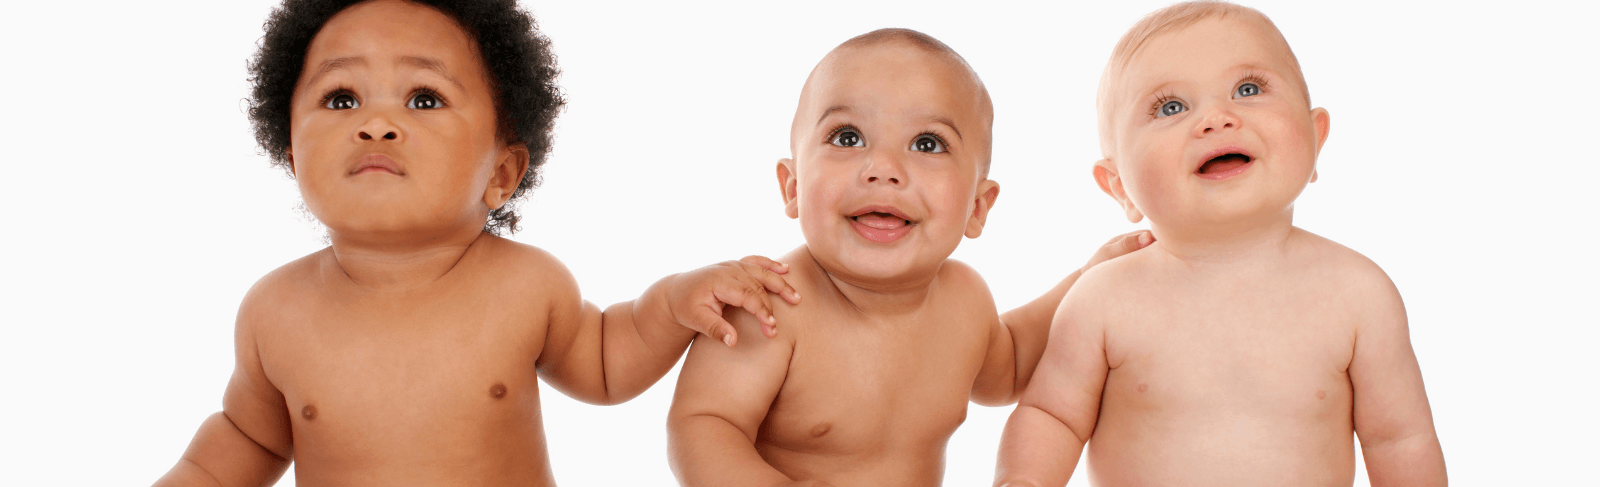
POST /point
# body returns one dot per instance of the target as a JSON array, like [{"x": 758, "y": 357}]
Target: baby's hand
[
  {"x": 696, "y": 298},
  {"x": 1119, "y": 246}
]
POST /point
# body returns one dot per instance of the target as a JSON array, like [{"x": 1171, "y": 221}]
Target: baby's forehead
[
  {"x": 1205, "y": 46},
  {"x": 860, "y": 76}
]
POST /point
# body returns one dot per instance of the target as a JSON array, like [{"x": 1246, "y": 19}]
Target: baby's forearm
[
  {"x": 1411, "y": 461},
  {"x": 221, "y": 455},
  {"x": 708, "y": 451},
  {"x": 1036, "y": 450}
]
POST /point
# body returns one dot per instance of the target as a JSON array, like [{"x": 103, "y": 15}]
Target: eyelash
[
  {"x": 419, "y": 90},
  {"x": 1161, "y": 99},
  {"x": 336, "y": 91},
  {"x": 1257, "y": 77}
]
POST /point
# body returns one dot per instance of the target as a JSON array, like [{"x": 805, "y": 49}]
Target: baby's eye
[
  {"x": 1170, "y": 108},
  {"x": 928, "y": 143},
  {"x": 1247, "y": 89},
  {"x": 847, "y": 138},
  {"x": 423, "y": 101},
  {"x": 341, "y": 101}
]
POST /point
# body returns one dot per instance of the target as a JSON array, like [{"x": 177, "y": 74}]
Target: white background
[{"x": 136, "y": 210}]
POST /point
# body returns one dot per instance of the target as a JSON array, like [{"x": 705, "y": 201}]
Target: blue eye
[
  {"x": 341, "y": 101},
  {"x": 423, "y": 101},
  {"x": 847, "y": 138},
  {"x": 928, "y": 143},
  {"x": 1247, "y": 89},
  {"x": 1170, "y": 108}
]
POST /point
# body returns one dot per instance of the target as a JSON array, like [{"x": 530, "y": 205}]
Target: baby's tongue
[
  {"x": 881, "y": 221},
  {"x": 1222, "y": 164}
]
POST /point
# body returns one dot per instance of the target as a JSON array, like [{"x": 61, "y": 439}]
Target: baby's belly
[
  {"x": 1198, "y": 436},
  {"x": 438, "y": 438}
]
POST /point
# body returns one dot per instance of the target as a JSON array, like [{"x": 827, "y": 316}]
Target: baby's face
[
  {"x": 393, "y": 125},
  {"x": 888, "y": 142},
  {"x": 1211, "y": 126}
]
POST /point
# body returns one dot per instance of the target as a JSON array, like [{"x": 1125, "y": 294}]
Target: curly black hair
[{"x": 522, "y": 72}]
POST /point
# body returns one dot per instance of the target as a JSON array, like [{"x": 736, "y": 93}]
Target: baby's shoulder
[
  {"x": 286, "y": 289},
  {"x": 1322, "y": 260},
  {"x": 516, "y": 266},
  {"x": 1346, "y": 278}
]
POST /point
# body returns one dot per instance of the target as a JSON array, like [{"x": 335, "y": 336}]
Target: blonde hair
[{"x": 1169, "y": 19}]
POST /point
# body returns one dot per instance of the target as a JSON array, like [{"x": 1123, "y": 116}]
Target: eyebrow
[
  {"x": 429, "y": 64},
  {"x": 935, "y": 119}
]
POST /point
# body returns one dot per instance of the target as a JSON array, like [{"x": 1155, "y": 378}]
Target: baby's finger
[
  {"x": 768, "y": 264},
  {"x": 773, "y": 282},
  {"x": 750, "y": 296},
  {"x": 711, "y": 324}
]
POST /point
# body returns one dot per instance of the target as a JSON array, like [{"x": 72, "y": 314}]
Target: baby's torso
[
  {"x": 436, "y": 387},
  {"x": 873, "y": 402},
  {"x": 1227, "y": 382}
]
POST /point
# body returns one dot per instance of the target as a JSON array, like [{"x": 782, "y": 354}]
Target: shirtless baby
[
  {"x": 1237, "y": 349},
  {"x": 868, "y": 378},
  {"x": 409, "y": 351}
]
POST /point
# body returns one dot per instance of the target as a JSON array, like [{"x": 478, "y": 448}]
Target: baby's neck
[
  {"x": 394, "y": 265},
  {"x": 882, "y": 300},
  {"x": 1209, "y": 246}
]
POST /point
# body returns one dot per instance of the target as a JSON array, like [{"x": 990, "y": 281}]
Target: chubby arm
[
  {"x": 1018, "y": 342},
  {"x": 610, "y": 357},
  {"x": 1392, "y": 416},
  {"x": 722, "y": 399},
  {"x": 250, "y": 442},
  {"x": 1045, "y": 435}
]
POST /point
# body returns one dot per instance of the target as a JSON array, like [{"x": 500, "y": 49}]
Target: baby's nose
[{"x": 387, "y": 135}]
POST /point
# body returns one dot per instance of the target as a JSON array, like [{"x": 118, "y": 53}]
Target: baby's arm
[
  {"x": 249, "y": 442},
  {"x": 610, "y": 357},
  {"x": 1046, "y": 433},
  {"x": 723, "y": 397},
  {"x": 1016, "y": 345},
  {"x": 1392, "y": 416}
]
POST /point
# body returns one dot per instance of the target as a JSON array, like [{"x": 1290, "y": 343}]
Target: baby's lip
[
  {"x": 375, "y": 163},
  {"x": 885, "y": 209}
]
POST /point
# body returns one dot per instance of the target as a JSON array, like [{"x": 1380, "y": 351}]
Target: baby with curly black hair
[{"x": 409, "y": 350}]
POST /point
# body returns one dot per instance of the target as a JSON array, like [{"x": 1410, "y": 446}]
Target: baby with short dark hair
[
  {"x": 867, "y": 379},
  {"x": 409, "y": 351}
]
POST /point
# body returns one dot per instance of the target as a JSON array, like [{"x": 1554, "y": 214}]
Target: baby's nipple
[
  {"x": 497, "y": 391},
  {"x": 309, "y": 412}
]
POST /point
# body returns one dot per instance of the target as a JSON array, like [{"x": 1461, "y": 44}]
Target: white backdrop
[{"x": 137, "y": 210}]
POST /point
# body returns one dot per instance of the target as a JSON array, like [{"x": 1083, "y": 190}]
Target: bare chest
[
  {"x": 401, "y": 382},
  {"x": 876, "y": 390},
  {"x": 1267, "y": 352}
]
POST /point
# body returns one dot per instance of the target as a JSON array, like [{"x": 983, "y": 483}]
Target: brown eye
[
  {"x": 423, "y": 101},
  {"x": 847, "y": 138},
  {"x": 341, "y": 101},
  {"x": 928, "y": 143}
]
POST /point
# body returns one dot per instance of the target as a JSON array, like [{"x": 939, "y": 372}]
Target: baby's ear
[
  {"x": 988, "y": 191},
  {"x": 788, "y": 184},
  {"x": 290, "y": 152},
  {"x": 1319, "y": 123},
  {"x": 1105, "y": 173},
  {"x": 506, "y": 175}
]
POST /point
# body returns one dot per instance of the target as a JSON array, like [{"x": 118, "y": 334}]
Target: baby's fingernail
[{"x": 728, "y": 339}]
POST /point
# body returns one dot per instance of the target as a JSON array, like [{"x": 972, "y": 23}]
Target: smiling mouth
[
  {"x": 881, "y": 221},
  {"x": 1224, "y": 164}
]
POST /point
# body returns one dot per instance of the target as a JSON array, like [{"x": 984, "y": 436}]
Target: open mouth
[
  {"x": 881, "y": 220},
  {"x": 881, "y": 224},
  {"x": 1224, "y": 163}
]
